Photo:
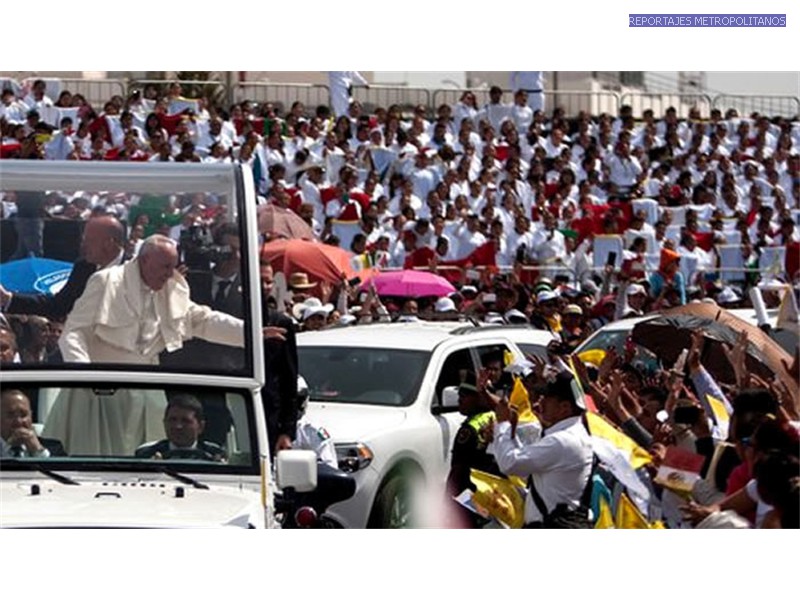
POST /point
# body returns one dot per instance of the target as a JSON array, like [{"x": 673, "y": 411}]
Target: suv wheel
[{"x": 393, "y": 505}]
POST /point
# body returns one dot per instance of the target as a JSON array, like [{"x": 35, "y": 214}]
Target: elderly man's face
[{"x": 158, "y": 266}]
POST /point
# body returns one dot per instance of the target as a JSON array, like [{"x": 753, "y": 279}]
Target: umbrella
[
  {"x": 413, "y": 284},
  {"x": 35, "y": 275},
  {"x": 666, "y": 335},
  {"x": 282, "y": 222},
  {"x": 322, "y": 262}
]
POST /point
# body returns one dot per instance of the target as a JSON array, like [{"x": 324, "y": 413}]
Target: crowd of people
[{"x": 561, "y": 223}]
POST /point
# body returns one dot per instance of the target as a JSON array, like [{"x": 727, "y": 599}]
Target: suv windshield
[
  {"x": 378, "y": 376},
  {"x": 160, "y": 428},
  {"x": 77, "y": 286}
]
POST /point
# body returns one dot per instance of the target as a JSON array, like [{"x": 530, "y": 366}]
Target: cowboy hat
[
  {"x": 302, "y": 310},
  {"x": 299, "y": 281}
]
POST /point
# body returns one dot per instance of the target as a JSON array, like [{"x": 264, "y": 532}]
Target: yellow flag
[
  {"x": 605, "y": 520},
  {"x": 721, "y": 415},
  {"x": 600, "y": 427},
  {"x": 520, "y": 401},
  {"x": 594, "y": 356},
  {"x": 499, "y": 497},
  {"x": 628, "y": 516}
]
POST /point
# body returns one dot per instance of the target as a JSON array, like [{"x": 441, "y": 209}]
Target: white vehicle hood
[
  {"x": 354, "y": 422},
  {"x": 123, "y": 504}
]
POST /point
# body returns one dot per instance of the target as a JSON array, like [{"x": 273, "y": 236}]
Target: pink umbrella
[{"x": 411, "y": 284}]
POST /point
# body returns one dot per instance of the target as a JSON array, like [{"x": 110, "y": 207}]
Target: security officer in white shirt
[
  {"x": 309, "y": 436},
  {"x": 558, "y": 466}
]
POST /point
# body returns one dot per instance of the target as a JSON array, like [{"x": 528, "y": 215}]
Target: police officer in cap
[
  {"x": 472, "y": 439},
  {"x": 558, "y": 466}
]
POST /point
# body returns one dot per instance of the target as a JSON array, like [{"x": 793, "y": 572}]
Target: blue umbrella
[{"x": 35, "y": 275}]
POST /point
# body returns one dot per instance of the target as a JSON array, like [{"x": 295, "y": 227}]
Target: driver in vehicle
[
  {"x": 16, "y": 429},
  {"x": 184, "y": 423}
]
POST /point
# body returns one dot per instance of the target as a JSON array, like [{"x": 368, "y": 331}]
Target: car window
[
  {"x": 379, "y": 376},
  {"x": 608, "y": 339},
  {"x": 88, "y": 427},
  {"x": 642, "y": 357},
  {"x": 534, "y": 349},
  {"x": 494, "y": 358},
  {"x": 454, "y": 370},
  {"x": 492, "y": 352}
]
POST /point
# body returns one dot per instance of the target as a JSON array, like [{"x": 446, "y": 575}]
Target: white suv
[{"x": 377, "y": 389}]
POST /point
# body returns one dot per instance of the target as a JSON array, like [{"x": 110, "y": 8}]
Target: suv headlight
[{"x": 353, "y": 457}]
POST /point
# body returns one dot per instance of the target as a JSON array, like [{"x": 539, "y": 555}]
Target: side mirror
[
  {"x": 297, "y": 469},
  {"x": 450, "y": 397}
]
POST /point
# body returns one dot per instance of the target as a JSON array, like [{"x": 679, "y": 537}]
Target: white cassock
[
  {"x": 533, "y": 83},
  {"x": 118, "y": 319},
  {"x": 96, "y": 422},
  {"x": 339, "y": 83}
]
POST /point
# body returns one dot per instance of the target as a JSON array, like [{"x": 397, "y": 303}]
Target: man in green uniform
[{"x": 469, "y": 447}]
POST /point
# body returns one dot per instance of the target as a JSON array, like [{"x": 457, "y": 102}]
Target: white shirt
[
  {"x": 15, "y": 112},
  {"x": 522, "y": 117},
  {"x": 311, "y": 437},
  {"x": 551, "y": 149},
  {"x": 339, "y": 82},
  {"x": 560, "y": 463},
  {"x": 762, "y": 508},
  {"x": 527, "y": 80},
  {"x": 59, "y": 147},
  {"x": 34, "y": 104},
  {"x": 310, "y": 194},
  {"x": 495, "y": 114},
  {"x": 425, "y": 181},
  {"x": 515, "y": 240},
  {"x": 623, "y": 171},
  {"x": 469, "y": 241},
  {"x": 548, "y": 245},
  {"x": 462, "y": 111}
]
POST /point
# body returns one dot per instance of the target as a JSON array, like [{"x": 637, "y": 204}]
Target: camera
[{"x": 199, "y": 250}]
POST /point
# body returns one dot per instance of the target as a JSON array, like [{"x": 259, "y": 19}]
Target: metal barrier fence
[
  {"x": 659, "y": 102},
  {"x": 451, "y": 96},
  {"x": 213, "y": 89},
  {"x": 572, "y": 101},
  {"x": 283, "y": 95},
  {"x": 96, "y": 91},
  {"x": 774, "y": 106},
  {"x": 575, "y": 101},
  {"x": 99, "y": 91},
  {"x": 386, "y": 95}
]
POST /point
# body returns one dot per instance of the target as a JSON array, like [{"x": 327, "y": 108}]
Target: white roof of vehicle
[
  {"x": 417, "y": 335},
  {"x": 523, "y": 334}
]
